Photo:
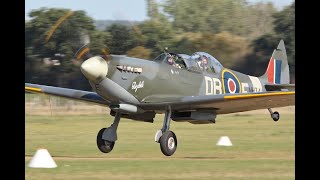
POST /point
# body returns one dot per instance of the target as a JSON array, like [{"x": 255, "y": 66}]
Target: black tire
[
  {"x": 166, "y": 141},
  {"x": 275, "y": 116},
  {"x": 103, "y": 145}
]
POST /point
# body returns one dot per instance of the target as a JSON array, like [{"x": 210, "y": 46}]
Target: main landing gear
[
  {"x": 274, "y": 115},
  {"x": 167, "y": 139},
  {"x": 107, "y": 136}
]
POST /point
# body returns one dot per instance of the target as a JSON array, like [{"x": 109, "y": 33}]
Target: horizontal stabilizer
[{"x": 280, "y": 87}]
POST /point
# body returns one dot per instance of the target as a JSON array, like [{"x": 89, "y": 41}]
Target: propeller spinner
[{"x": 95, "y": 69}]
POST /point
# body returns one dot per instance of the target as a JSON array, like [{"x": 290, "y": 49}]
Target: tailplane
[{"x": 278, "y": 68}]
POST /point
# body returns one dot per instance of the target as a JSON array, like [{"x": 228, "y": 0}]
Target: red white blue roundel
[{"x": 231, "y": 82}]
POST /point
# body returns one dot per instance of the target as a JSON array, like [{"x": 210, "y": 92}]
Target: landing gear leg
[
  {"x": 107, "y": 136},
  {"x": 167, "y": 139},
  {"x": 274, "y": 115}
]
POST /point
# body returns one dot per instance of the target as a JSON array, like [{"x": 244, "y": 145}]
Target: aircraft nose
[{"x": 95, "y": 69}]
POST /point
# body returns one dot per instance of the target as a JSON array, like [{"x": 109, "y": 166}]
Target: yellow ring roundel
[{"x": 231, "y": 83}]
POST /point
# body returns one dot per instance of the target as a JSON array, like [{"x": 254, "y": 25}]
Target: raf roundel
[{"x": 231, "y": 83}]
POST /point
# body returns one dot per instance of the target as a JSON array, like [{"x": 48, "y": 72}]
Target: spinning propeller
[{"x": 80, "y": 41}]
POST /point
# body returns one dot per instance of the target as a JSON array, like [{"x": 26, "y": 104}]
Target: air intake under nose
[{"x": 95, "y": 69}]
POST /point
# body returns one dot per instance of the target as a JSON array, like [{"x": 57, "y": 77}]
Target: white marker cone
[
  {"x": 42, "y": 159},
  {"x": 224, "y": 141}
]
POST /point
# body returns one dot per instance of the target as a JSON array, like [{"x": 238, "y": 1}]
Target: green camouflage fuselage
[{"x": 159, "y": 80}]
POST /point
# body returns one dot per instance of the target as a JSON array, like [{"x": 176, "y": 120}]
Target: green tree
[
  {"x": 139, "y": 52},
  {"x": 122, "y": 39},
  {"x": 157, "y": 34},
  {"x": 184, "y": 43},
  {"x": 152, "y": 9},
  {"x": 260, "y": 19},
  {"x": 229, "y": 49},
  {"x": 51, "y": 32},
  {"x": 214, "y": 16},
  {"x": 207, "y": 15},
  {"x": 262, "y": 49},
  {"x": 285, "y": 29},
  {"x": 263, "y": 46},
  {"x": 44, "y": 23},
  {"x": 98, "y": 41}
]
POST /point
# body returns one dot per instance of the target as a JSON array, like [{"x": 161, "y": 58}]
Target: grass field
[{"x": 262, "y": 149}]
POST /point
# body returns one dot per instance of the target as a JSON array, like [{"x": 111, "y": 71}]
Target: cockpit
[
  {"x": 206, "y": 62},
  {"x": 198, "y": 62},
  {"x": 172, "y": 59}
]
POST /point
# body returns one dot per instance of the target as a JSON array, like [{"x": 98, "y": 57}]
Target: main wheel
[
  {"x": 168, "y": 143},
  {"x": 275, "y": 116},
  {"x": 103, "y": 145}
]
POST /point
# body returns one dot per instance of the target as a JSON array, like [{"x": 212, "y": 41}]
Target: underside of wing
[
  {"x": 74, "y": 94},
  {"x": 227, "y": 103}
]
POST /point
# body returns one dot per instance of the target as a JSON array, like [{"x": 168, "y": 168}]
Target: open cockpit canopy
[{"x": 198, "y": 61}]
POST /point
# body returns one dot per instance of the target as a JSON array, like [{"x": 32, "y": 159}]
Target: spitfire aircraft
[{"x": 186, "y": 88}]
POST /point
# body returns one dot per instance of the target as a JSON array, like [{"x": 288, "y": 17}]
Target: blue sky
[{"x": 111, "y": 9}]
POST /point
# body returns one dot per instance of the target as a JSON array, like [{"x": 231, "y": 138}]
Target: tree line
[{"x": 241, "y": 36}]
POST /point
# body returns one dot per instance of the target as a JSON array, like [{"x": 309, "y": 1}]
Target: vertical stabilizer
[{"x": 278, "y": 69}]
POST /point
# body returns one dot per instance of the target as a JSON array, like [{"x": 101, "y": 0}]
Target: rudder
[{"x": 278, "y": 68}]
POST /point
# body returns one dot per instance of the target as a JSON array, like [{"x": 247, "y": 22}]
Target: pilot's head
[
  {"x": 170, "y": 60},
  {"x": 204, "y": 60}
]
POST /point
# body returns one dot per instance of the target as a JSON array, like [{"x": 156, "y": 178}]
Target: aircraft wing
[
  {"x": 225, "y": 103},
  {"x": 222, "y": 103},
  {"x": 74, "y": 94}
]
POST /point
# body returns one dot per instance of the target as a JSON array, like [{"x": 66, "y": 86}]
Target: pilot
[
  {"x": 172, "y": 62},
  {"x": 203, "y": 63}
]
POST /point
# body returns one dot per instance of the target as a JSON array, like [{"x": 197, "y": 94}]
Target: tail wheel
[
  {"x": 168, "y": 143},
  {"x": 275, "y": 116},
  {"x": 103, "y": 145}
]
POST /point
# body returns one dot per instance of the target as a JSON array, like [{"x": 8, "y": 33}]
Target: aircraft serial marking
[{"x": 213, "y": 85}]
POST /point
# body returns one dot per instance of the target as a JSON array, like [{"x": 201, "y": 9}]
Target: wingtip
[{"x": 32, "y": 89}]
